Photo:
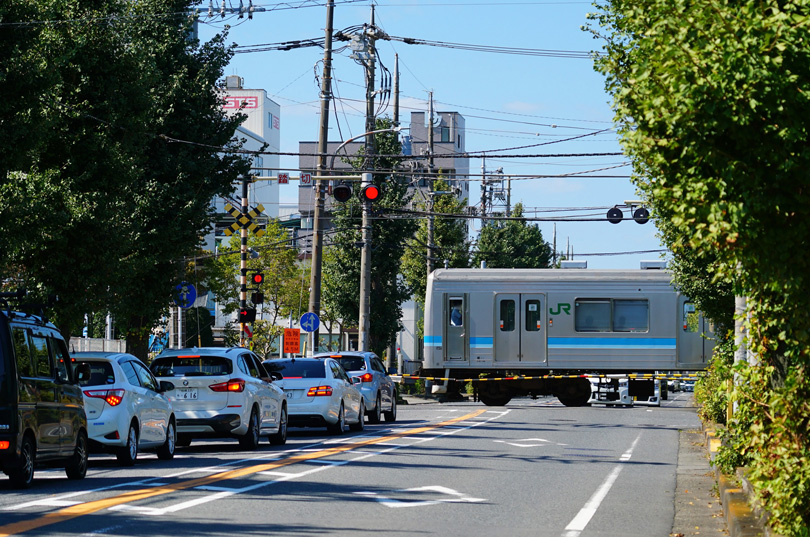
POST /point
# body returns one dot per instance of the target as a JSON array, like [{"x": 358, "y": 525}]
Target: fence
[{"x": 97, "y": 344}]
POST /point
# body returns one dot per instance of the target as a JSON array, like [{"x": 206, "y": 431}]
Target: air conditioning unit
[{"x": 653, "y": 265}]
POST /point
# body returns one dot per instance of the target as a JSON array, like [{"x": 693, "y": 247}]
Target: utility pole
[
  {"x": 365, "y": 256},
  {"x": 396, "y": 90},
  {"x": 243, "y": 262},
  {"x": 317, "y": 224},
  {"x": 430, "y": 226}
]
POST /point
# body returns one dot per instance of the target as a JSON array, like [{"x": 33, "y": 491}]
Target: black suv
[{"x": 42, "y": 419}]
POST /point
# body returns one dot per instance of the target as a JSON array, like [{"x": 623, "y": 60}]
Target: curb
[{"x": 741, "y": 519}]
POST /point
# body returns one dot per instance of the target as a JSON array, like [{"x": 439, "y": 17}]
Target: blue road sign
[
  {"x": 309, "y": 322},
  {"x": 185, "y": 294}
]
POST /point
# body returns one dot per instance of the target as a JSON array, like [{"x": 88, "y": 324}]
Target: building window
[{"x": 445, "y": 132}]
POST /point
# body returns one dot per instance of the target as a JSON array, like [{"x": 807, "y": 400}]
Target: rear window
[
  {"x": 191, "y": 366},
  {"x": 297, "y": 368},
  {"x": 101, "y": 373},
  {"x": 352, "y": 363}
]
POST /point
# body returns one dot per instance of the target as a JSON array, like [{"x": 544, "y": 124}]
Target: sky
[{"x": 508, "y": 101}]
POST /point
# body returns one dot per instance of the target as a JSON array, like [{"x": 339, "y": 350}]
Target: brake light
[
  {"x": 368, "y": 377},
  {"x": 4, "y": 444},
  {"x": 112, "y": 397},
  {"x": 319, "y": 391},
  {"x": 233, "y": 385}
]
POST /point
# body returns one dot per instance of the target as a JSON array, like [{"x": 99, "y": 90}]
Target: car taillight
[
  {"x": 318, "y": 391},
  {"x": 233, "y": 385},
  {"x": 112, "y": 397},
  {"x": 4, "y": 444},
  {"x": 368, "y": 377}
]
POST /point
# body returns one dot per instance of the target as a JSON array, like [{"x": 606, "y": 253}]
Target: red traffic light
[
  {"x": 342, "y": 192},
  {"x": 370, "y": 193},
  {"x": 257, "y": 278}
]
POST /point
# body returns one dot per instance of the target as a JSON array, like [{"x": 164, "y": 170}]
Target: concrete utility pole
[
  {"x": 317, "y": 225},
  {"x": 430, "y": 223},
  {"x": 365, "y": 255}
]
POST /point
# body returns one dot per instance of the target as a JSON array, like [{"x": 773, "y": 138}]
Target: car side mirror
[
  {"x": 166, "y": 386},
  {"x": 275, "y": 375},
  {"x": 356, "y": 380}
]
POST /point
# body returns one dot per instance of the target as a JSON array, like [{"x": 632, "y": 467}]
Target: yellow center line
[{"x": 87, "y": 508}]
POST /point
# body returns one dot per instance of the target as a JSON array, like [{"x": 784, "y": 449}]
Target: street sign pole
[{"x": 243, "y": 262}]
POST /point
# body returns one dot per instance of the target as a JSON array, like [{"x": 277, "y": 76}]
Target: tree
[
  {"x": 712, "y": 103},
  {"x": 285, "y": 283},
  {"x": 450, "y": 241},
  {"x": 128, "y": 145},
  {"x": 341, "y": 260},
  {"x": 512, "y": 244}
]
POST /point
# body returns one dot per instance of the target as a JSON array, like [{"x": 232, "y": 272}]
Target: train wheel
[
  {"x": 576, "y": 392},
  {"x": 494, "y": 400}
]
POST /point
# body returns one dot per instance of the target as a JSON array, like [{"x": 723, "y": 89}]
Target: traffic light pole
[
  {"x": 243, "y": 263},
  {"x": 365, "y": 272}
]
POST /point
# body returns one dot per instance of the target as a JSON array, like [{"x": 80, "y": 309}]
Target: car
[
  {"x": 320, "y": 393},
  {"x": 42, "y": 418},
  {"x": 379, "y": 391},
  {"x": 222, "y": 392},
  {"x": 127, "y": 408},
  {"x": 688, "y": 386}
]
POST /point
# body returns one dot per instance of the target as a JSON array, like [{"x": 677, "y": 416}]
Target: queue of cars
[{"x": 56, "y": 407}]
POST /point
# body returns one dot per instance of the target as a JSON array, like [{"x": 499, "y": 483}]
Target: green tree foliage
[
  {"x": 450, "y": 240},
  {"x": 341, "y": 260},
  {"x": 285, "y": 286},
  {"x": 512, "y": 244},
  {"x": 712, "y": 99},
  {"x": 115, "y": 120}
]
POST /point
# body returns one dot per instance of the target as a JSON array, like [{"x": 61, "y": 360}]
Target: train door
[
  {"x": 694, "y": 345},
  {"x": 456, "y": 329},
  {"x": 520, "y": 328}
]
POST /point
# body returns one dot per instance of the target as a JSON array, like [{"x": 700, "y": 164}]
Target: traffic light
[
  {"x": 615, "y": 215},
  {"x": 257, "y": 298},
  {"x": 370, "y": 193},
  {"x": 257, "y": 278},
  {"x": 247, "y": 315},
  {"x": 342, "y": 192}
]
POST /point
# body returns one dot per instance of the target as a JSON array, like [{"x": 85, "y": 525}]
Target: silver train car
[{"x": 537, "y": 322}]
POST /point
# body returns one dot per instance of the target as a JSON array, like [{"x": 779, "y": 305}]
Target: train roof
[{"x": 552, "y": 275}]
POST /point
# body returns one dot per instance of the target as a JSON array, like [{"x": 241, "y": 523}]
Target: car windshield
[
  {"x": 291, "y": 369},
  {"x": 191, "y": 366},
  {"x": 101, "y": 373},
  {"x": 352, "y": 363}
]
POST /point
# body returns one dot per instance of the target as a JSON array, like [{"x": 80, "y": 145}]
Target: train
[{"x": 565, "y": 323}]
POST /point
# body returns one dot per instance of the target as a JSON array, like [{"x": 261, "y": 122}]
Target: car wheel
[
  {"x": 166, "y": 451},
  {"x": 375, "y": 414},
  {"x": 280, "y": 437},
  {"x": 340, "y": 425},
  {"x": 127, "y": 454},
  {"x": 22, "y": 475},
  {"x": 361, "y": 418},
  {"x": 250, "y": 440},
  {"x": 76, "y": 467},
  {"x": 391, "y": 415}
]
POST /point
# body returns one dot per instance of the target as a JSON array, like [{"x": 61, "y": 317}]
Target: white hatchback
[
  {"x": 127, "y": 409},
  {"x": 223, "y": 391},
  {"x": 320, "y": 393}
]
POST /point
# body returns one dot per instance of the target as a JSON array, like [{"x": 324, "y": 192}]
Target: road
[{"x": 533, "y": 468}]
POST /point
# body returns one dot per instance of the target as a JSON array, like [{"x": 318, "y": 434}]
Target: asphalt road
[{"x": 533, "y": 467}]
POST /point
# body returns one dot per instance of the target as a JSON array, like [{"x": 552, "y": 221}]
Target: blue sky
[{"x": 508, "y": 100}]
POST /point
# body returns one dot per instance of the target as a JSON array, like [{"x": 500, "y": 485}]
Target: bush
[{"x": 711, "y": 391}]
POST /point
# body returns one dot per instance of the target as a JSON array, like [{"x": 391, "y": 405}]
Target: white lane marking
[
  {"x": 534, "y": 442},
  {"x": 453, "y": 496},
  {"x": 578, "y": 524}
]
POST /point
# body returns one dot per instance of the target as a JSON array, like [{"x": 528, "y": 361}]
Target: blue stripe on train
[{"x": 611, "y": 343}]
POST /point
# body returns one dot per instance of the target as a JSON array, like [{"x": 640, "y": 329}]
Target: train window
[
  {"x": 592, "y": 315},
  {"x": 456, "y": 315},
  {"x": 507, "y": 315},
  {"x": 631, "y": 316},
  {"x": 690, "y": 317},
  {"x": 532, "y": 315}
]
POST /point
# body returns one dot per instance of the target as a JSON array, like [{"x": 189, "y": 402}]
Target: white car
[
  {"x": 223, "y": 392},
  {"x": 320, "y": 393},
  {"x": 127, "y": 408}
]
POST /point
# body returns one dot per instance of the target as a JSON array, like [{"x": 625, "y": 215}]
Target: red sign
[
  {"x": 235, "y": 102},
  {"x": 275, "y": 122},
  {"x": 292, "y": 340},
  {"x": 283, "y": 178}
]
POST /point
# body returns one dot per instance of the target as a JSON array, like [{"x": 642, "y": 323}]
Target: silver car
[
  {"x": 221, "y": 392},
  {"x": 379, "y": 391}
]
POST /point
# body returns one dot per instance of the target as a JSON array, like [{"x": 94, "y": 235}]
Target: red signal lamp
[{"x": 370, "y": 193}]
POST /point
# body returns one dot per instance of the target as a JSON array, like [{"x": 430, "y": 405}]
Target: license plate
[{"x": 185, "y": 393}]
